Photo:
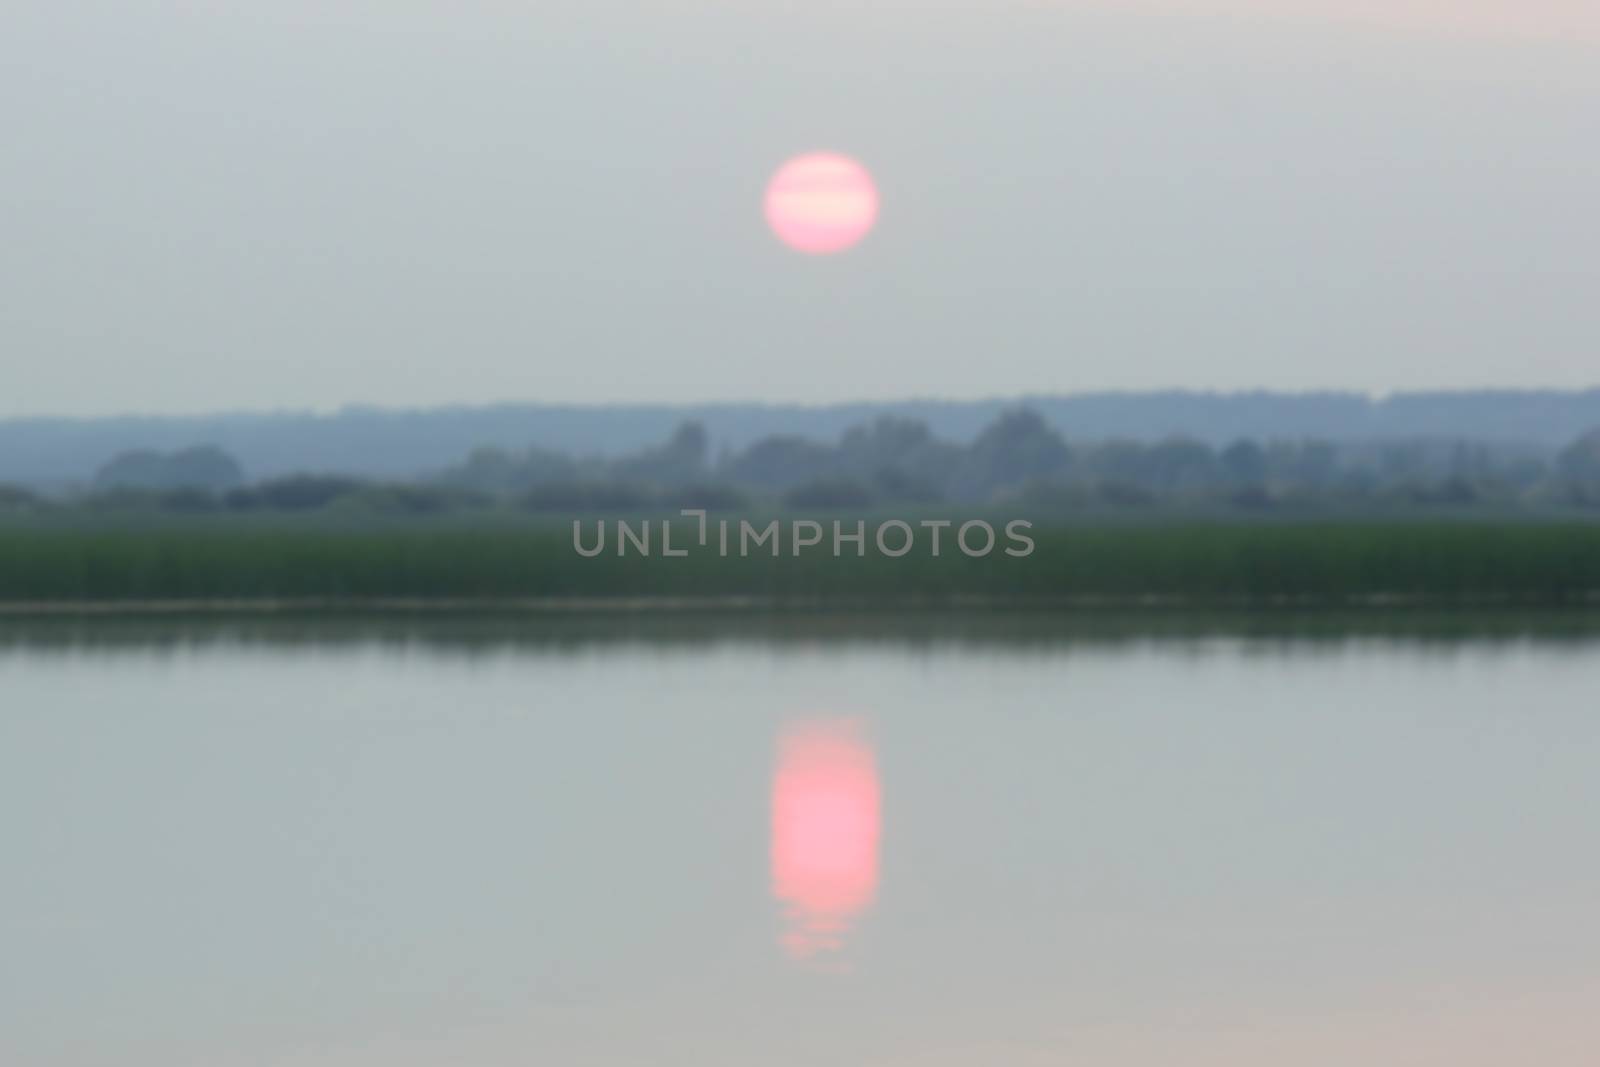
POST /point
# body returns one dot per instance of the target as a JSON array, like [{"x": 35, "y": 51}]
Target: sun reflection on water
[{"x": 826, "y": 825}]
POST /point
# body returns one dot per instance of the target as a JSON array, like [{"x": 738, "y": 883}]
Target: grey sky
[{"x": 213, "y": 205}]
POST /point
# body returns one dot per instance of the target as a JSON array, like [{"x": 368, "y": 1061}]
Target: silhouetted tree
[
  {"x": 203, "y": 467},
  {"x": 1017, "y": 448},
  {"x": 780, "y": 463},
  {"x": 678, "y": 462},
  {"x": 494, "y": 470},
  {"x": 1245, "y": 463},
  {"x": 1579, "y": 462}
]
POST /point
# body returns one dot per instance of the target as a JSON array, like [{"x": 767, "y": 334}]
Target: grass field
[{"x": 1212, "y": 563}]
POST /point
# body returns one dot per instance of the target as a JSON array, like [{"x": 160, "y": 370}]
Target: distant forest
[
  {"x": 1019, "y": 458},
  {"x": 374, "y": 444}
]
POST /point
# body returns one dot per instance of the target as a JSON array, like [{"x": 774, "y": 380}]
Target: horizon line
[{"x": 1373, "y": 397}]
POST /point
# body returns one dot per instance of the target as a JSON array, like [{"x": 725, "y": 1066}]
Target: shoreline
[{"x": 779, "y": 605}]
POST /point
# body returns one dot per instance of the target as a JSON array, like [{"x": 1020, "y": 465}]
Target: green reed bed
[{"x": 1190, "y": 563}]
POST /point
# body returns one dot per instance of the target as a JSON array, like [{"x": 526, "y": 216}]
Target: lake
[{"x": 708, "y": 842}]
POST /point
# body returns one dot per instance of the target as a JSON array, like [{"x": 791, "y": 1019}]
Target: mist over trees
[
  {"x": 379, "y": 444},
  {"x": 1580, "y": 461},
  {"x": 203, "y": 467},
  {"x": 1018, "y": 458},
  {"x": 1021, "y": 457}
]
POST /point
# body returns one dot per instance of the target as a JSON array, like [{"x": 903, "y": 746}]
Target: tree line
[{"x": 1017, "y": 458}]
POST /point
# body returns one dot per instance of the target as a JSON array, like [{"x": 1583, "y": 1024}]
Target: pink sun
[{"x": 821, "y": 202}]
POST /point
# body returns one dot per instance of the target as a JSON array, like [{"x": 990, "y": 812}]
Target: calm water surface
[{"x": 751, "y": 849}]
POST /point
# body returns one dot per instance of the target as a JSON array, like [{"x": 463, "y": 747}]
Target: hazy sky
[{"x": 217, "y": 204}]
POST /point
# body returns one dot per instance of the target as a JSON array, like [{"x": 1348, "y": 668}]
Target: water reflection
[{"x": 825, "y": 828}]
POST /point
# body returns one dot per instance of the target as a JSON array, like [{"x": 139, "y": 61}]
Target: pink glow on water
[
  {"x": 821, "y": 202},
  {"x": 825, "y": 830}
]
